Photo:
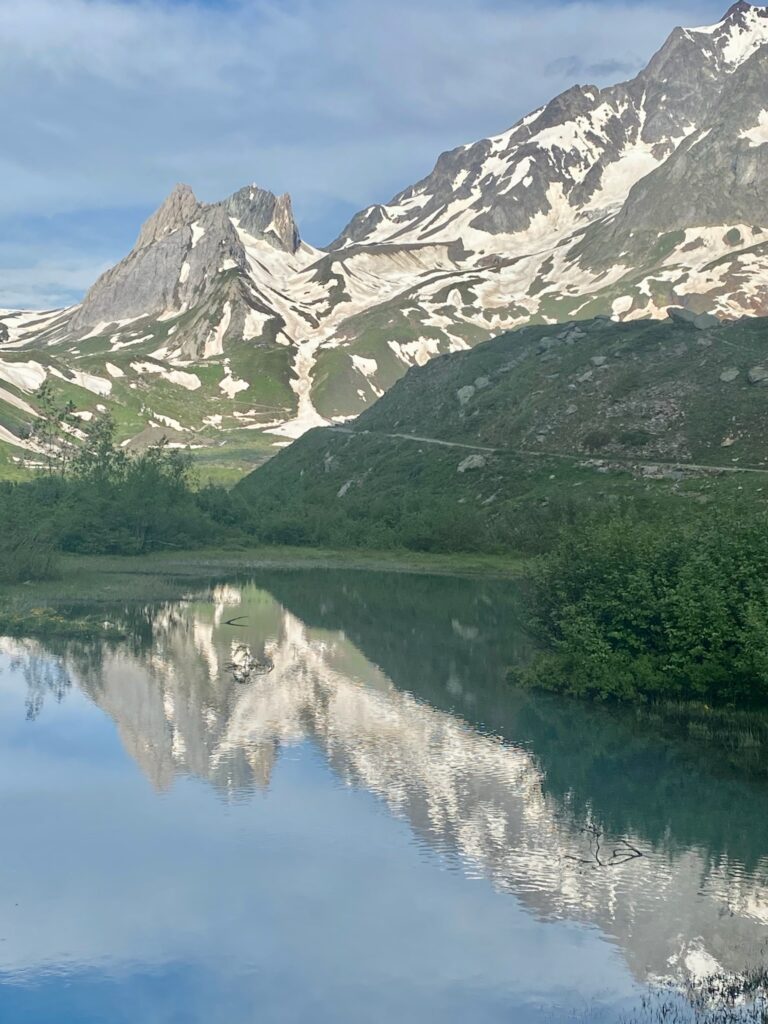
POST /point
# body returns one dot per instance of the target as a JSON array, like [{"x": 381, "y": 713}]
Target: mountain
[
  {"x": 496, "y": 448},
  {"x": 225, "y": 329}
]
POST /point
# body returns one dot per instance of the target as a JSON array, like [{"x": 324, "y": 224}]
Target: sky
[{"x": 106, "y": 104}]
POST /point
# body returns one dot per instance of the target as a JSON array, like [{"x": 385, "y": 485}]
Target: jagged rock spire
[
  {"x": 179, "y": 209},
  {"x": 264, "y": 215}
]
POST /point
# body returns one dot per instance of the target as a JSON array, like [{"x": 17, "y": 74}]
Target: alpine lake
[{"x": 310, "y": 795}]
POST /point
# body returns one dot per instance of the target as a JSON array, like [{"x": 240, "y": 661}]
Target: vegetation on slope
[
  {"x": 631, "y": 610},
  {"x": 544, "y": 425},
  {"x": 105, "y": 499}
]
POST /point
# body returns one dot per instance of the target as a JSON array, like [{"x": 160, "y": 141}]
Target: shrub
[{"x": 627, "y": 610}]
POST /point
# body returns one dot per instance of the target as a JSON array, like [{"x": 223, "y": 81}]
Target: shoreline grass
[{"x": 104, "y": 577}]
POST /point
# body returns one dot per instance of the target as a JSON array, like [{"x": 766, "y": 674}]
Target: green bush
[
  {"x": 632, "y": 610},
  {"x": 104, "y": 500}
]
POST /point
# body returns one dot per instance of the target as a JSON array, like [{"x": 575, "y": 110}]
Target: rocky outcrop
[
  {"x": 182, "y": 251},
  {"x": 179, "y": 209}
]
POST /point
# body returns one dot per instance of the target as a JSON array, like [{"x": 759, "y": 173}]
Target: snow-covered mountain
[{"x": 621, "y": 201}]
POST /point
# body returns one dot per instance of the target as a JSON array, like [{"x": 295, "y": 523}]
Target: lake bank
[{"x": 106, "y": 577}]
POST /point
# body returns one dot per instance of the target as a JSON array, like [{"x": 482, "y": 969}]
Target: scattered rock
[
  {"x": 729, "y": 375},
  {"x": 482, "y": 382},
  {"x": 727, "y": 442},
  {"x": 599, "y": 360},
  {"x": 757, "y": 375},
  {"x": 546, "y": 344},
  {"x": 570, "y": 410},
  {"x": 681, "y": 315},
  {"x": 706, "y": 320},
  {"x": 472, "y": 462},
  {"x": 584, "y": 377},
  {"x": 702, "y": 321},
  {"x": 465, "y": 394},
  {"x": 344, "y": 488}
]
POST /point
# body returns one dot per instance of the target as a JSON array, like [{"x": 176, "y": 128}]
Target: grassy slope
[
  {"x": 569, "y": 431},
  {"x": 224, "y": 454}
]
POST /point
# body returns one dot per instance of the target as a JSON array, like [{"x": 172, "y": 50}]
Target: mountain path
[{"x": 701, "y": 467}]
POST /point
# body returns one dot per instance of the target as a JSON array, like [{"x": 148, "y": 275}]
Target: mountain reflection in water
[{"x": 400, "y": 683}]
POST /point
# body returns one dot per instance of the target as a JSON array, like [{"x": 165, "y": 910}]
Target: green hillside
[{"x": 533, "y": 428}]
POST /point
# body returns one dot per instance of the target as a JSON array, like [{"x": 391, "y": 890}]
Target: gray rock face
[
  {"x": 265, "y": 216},
  {"x": 729, "y": 375},
  {"x": 689, "y": 87},
  {"x": 758, "y": 375},
  {"x": 179, "y": 209},
  {"x": 182, "y": 252}
]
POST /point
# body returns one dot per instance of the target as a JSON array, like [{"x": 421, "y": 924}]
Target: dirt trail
[{"x": 527, "y": 452}]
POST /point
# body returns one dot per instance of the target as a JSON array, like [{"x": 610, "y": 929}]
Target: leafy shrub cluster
[
  {"x": 635, "y": 610},
  {"x": 103, "y": 499}
]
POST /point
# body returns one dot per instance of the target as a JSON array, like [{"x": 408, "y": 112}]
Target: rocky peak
[
  {"x": 179, "y": 209},
  {"x": 741, "y": 8},
  {"x": 264, "y": 216}
]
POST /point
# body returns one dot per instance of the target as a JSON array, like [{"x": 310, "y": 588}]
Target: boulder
[
  {"x": 757, "y": 375},
  {"x": 706, "y": 320},
  {"x": 465, "y": 394},
  {"x": 701, "y": 321},
  {"x": 729, "y": 375},
  {"x": 599, "y": 360},
  {"x": 681, "y": 315},
  {"x": 471, "y": 462}
]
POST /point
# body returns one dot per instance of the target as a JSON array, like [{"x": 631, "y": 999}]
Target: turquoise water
[{"x": 312, "y": 796}]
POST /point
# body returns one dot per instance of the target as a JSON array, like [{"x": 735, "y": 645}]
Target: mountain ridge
[{"x": 619, "y": 201}]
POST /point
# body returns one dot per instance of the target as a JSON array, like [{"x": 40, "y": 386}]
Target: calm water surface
[{"x": 311, "y": 797}]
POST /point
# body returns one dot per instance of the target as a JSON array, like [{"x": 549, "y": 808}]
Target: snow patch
[
  {"x": 169, "y": 421},
  {"x": 231, "y": 385},
  {"x": 758, "y": 135},
  {"x": 368, "y": 367},
  {"x": 190, "y": 381},
  {"x": 214, "y": 345},
  {"x": 26, "y": 376},
  {"x": 255, "y": 322},
  {"x": 16, "y": 402},
  {"x": 9, "y": 438}
]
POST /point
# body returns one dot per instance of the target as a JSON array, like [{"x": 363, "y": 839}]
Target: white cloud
[{"x": 341, "y": 102}]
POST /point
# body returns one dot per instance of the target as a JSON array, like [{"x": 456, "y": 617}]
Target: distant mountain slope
[
  {"x": 619, "y": 201},
  {"x": 488, "y": 447}
]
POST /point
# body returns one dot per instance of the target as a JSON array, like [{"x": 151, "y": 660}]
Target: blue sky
[{"x": 107, "y": 103}]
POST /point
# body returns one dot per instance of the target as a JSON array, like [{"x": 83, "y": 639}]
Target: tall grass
[
  {"x": 26, "y": 555},
  {"x": 718, "y": 999}
]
